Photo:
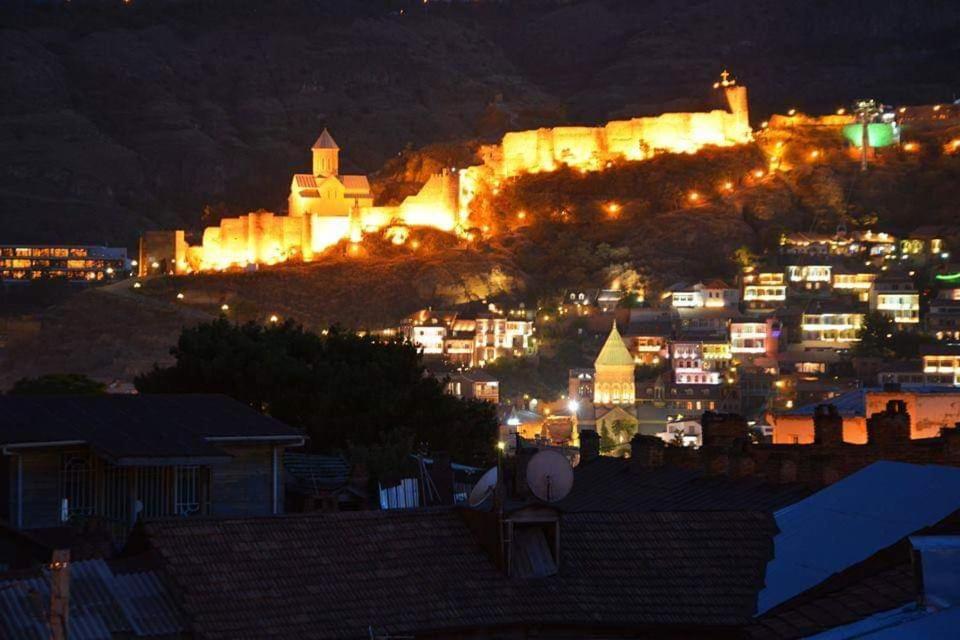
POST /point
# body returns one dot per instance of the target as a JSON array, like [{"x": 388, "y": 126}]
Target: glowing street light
[
  {"x": 224, "y": 307},
  {"x": 572, "y": 405},
  {"x": 693, "y": 196},
  {"x": 274, "y": 318},
  {"x": 180, "y": 296},
  {"x": 792, "y": 112}
]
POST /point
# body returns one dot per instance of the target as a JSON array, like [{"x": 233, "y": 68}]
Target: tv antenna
[
  {"x": 549, "y": 476},
  {"x": 485, "y": 487}
]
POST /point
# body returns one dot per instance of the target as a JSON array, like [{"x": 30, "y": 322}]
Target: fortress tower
[
  {"x": 326, "y": 156},
  {"x": 736, "y": 96}
]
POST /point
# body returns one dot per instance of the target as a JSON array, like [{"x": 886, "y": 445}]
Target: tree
[
  {"x": 344, "y": 390},
  {"x": 875, "y": 335},
  {"x": 622, "y": 430},
  {"x": 66, "y": 384},
  {"x": 607, "y": 443}
]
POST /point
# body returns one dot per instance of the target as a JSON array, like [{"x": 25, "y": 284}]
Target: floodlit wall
[
  {"x": 435, "y": 205},
  {"x": 589, "y": 148},
  {"x": 929, "y": 412}
]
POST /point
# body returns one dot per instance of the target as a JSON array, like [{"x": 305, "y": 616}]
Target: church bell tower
[{"x": 326, "y": 156}]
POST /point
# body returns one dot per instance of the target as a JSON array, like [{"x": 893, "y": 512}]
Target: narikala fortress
[{"x": 326, "y": 206}]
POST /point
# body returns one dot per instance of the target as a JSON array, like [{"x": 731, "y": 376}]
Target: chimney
[
  {"x": 589, "y": 445},
  {"x": 59, "y": 593},
  {"x": 646, "y": 452},
  {"x": 890, "y": 427},
  {"x": 827, "y": 425},
  {"x": 951, "y": 444},
  {"x": 441, "y": 473},
  {"x": 722, "y": 429},
  {"x": 936, "y": 564}
]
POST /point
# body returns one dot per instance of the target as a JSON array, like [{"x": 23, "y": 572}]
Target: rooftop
[
  {"x": 610, "y": 484},
  {"x": 105, "y": 602},
  {"x": 325, "y": 141},
  {"x": 854, "y": 402},
  {"x": 407, "y": 572},
  {"x": 128, "y": 429},
  {"x": 852, "y": 519}
]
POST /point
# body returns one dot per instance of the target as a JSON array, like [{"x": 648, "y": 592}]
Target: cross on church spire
[{"x": 725, "y": 80}]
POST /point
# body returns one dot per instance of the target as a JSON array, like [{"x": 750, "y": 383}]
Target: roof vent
[{"x": 936, "y": 563}]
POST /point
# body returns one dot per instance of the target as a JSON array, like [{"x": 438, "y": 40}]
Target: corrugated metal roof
[
  {"x": 102, "y": 605},
  {"x": 851, "y": 520}
]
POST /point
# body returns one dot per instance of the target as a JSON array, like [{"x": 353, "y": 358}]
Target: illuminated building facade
[
  {"x": 753, "y": 338},
  {"x": 764, "y": 291},
  {"x": 896, "y": 298},
  {"x": 941, "y": 364},
  {"x": 714, "y": 294},
  {"x": 24, "y": 263},
  {"x": 698, "y": 362},
  {"x": 809, "y": 276},
  {"x": 943, "y": 320},
  {"x": 834, "y": 328},
  {"x": 859, "y": 284},
  {"x": 469, "y": 339}
]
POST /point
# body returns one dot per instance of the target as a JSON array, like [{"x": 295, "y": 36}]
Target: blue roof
[
  {"x": 854, "y": 402},
  {"x": 851, "y": 520},
  {"x": 103, "y": 604},
  {"x": 908, "y": 622}
]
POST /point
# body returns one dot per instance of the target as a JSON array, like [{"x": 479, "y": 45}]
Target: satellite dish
[
  {"x": 549, "y": 476},
  {"x": 484, "y": 488}
]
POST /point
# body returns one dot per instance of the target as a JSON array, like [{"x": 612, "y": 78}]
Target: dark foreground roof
[
  {"x": 134, "y": 426},
  {"x": 420, "y": 571},
  {"x": 104, "y": 604},
  {"x": 610, "y": 484},
  {"x": 883, "y": 591}
]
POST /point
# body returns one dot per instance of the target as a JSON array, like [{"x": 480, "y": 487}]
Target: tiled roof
[
  {"x": 325, "y": 141},
  {"x": 305, "y": 181},
  {"x": 132, "y": 426},
  {"x": 358, "y": 185},
  {"x": 405, "y": 572},
  {"x": 609, "y": 484},
  {"x": 104, "y": 604},
  {"x": 883, "y": 591}
]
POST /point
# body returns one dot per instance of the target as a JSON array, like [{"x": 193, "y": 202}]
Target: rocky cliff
[{"x": 119, "y": 117}]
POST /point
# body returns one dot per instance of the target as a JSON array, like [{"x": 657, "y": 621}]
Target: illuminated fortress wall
[
  {"x": 589, "y": 148},
  {"x": 326, "y": 206}
]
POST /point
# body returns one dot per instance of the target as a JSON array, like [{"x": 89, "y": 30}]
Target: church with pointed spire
[
  {"x": 613, "y": 382},
  {"x": 326, "y": 192}
]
